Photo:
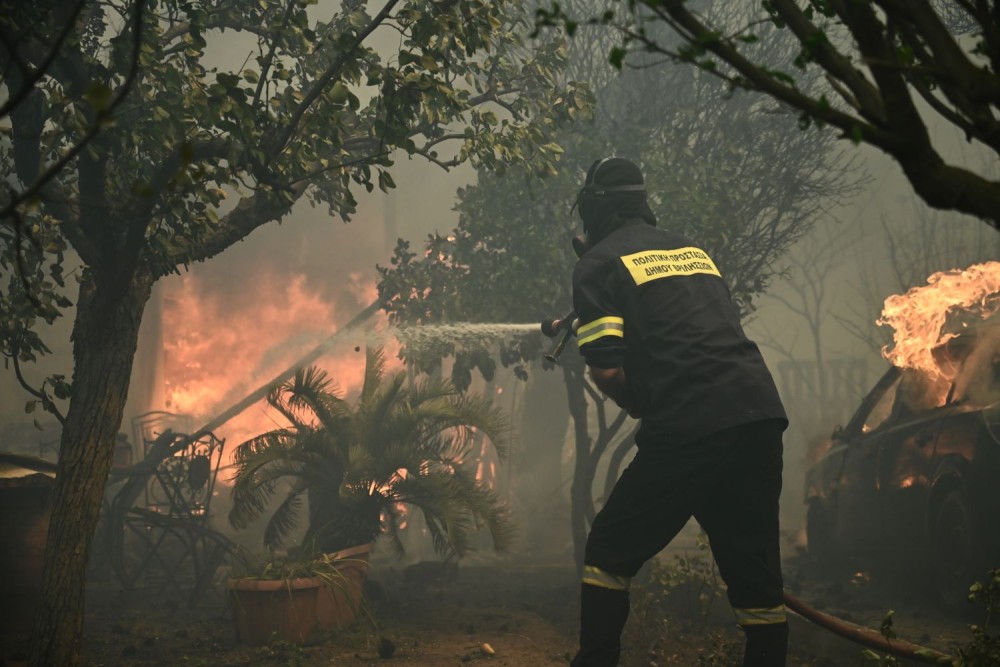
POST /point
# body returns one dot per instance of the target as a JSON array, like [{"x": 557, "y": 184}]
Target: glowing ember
[{"x": 926, "y": 318}]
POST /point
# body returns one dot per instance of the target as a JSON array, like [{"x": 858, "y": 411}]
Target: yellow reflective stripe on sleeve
[
  {"x": 653, "y": 264},
  {"x": 598, "y": 577},
  {"x": 605, "y": 326},
  {"x": 760, "y": 616}
]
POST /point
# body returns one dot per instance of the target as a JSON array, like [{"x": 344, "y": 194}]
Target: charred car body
[{"x": 913, "y": 479}]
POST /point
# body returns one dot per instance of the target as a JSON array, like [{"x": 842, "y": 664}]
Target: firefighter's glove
[{"x": 553, "y": 328}]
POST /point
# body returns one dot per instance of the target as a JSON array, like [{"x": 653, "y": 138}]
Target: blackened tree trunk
[{"x": 105, "y": 335}]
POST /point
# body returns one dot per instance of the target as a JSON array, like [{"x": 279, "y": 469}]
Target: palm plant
[{"x": 400, "y": 445}]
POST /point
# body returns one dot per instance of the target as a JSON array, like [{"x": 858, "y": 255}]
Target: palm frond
[
  {"x": 454, "y": 505},
  {"x": 374, "y": 373},
  {"x": 311, "y": 392},
  {"x": 348, "y": 460},
  {"x": 249, "y": 501},
  {"x": 285, "y": 518},
  {"x": 380, "y": 405},
  {"x": 252, "y": 493},
  {"x": 279, "y": 438},
  {"x": 276, "y": 399},
  {"x": 431, "y": 388}
]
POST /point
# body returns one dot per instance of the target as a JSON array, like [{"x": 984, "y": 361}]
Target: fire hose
[
  {"x": 565, "y": 329},
  {"x": 866, "y": 636}
]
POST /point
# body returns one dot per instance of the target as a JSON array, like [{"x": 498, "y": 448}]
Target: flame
[
  {"x": 926, "y": 318},
  {"x": 221, "y": 347},
  {"x": 218, "y": 348},
  {"x": 210, "y": 345}
]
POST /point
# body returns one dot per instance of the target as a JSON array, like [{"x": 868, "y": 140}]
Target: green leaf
[
  {"x": 385, "y": 182},
  {"x": 429, "y": 63},
  {"x": 99, "y": 96},
  {"x": 338, "y": 94},
  {"x": 358, "y": 19},
  {"x": 617, "y": 57}
]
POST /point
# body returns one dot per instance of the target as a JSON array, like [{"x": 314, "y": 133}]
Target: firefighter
[{"x": 662, "y": 338}]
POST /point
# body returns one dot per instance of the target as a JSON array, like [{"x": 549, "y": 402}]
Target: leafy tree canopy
[
  {"x": 196, "y": 155},
  {"x": 893, "y": 70}
]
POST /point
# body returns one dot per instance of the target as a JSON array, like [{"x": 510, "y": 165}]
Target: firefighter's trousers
[{"x": 729, "y": 482}]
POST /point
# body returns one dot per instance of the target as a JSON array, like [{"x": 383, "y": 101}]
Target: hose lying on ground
[{"x": 867, "y": 636}]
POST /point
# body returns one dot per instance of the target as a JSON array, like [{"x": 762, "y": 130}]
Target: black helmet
[
  {"x": 608, "y": 176},
  {"x": 613, "y": 192}
]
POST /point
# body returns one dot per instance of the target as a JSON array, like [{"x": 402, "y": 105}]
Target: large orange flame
[
  {"x": 926, "y": 318},
  {"x": 219, "y": 348}
]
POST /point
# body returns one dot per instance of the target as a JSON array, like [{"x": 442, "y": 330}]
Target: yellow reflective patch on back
[{"x": 653, "y": 264}]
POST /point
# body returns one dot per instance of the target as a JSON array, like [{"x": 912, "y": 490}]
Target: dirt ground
[{"x": 503, "y": 613}]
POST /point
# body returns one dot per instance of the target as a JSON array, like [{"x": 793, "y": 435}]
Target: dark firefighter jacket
[{"x": 652, "y": 302}]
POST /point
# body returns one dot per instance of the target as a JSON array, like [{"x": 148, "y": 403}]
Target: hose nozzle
[{"x": 552, "y": 328}]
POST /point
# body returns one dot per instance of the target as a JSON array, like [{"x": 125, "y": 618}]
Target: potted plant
[
  {"x": 357, "y": 466},
  {"x": 297, "y": 599}
]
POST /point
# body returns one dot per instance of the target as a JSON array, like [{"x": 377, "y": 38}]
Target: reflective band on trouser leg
[
  {"x": 598, "y": 577},
  {"x": 605, "y": 326},
  {"x": 760, "y": 616}
]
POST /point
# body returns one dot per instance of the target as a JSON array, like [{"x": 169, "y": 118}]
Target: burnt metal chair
[{"x": 163, "y": 515}]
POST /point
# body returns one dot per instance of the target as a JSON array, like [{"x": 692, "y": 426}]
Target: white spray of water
[{"x": 459, "y": 334}]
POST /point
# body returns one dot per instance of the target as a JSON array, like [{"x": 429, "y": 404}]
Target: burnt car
[{"x": 912, "y": 481}]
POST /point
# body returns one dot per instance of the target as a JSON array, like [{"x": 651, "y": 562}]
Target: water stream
[{"x": 459, "y": 333}]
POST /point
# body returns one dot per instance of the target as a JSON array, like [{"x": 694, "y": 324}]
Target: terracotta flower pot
[
  {"x": 339, "y": 600},
  {"x": 300, "y": 610},
  {"x": 267, "y": 610}
]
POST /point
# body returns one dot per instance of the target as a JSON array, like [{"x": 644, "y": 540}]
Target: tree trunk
[
  {"x": 617, "y": 456},
  {"x": 583, "y": 478},
  {"x": 105, "y": 335}
]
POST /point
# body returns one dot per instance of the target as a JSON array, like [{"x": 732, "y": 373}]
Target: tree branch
[
  {"x": 755, "y": 78},
  {"x": 47, "y": 404},
  {"x": 98, "y": 123},
  {"x": 249, "y": 214},
  {"x": 331, "y": 73},
  {"x": 28, "y": 85},
  {"x": 831, "y": 60},
  {"x": 308, "y": 176},
  {"x": 977, "y": 85},
  {"x": 269, "y": 58}
]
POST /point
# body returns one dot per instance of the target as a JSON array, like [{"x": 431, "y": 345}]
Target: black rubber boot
[
  {"x": 603, "y": 612},
  {"x": 767, "y": 645}
]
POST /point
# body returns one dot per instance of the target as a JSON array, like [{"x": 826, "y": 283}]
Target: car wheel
[
  {"x": 819, "y": 533},
  {"x": 955, "y": 549}
]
